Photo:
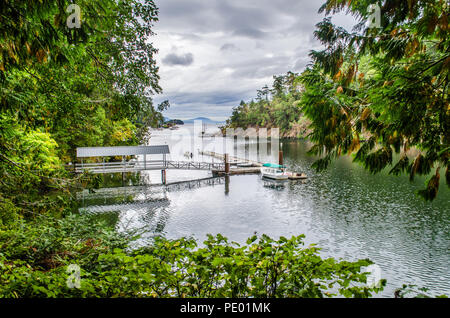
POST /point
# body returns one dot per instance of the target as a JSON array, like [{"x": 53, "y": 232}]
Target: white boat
[{"x": 274, "y": 173}]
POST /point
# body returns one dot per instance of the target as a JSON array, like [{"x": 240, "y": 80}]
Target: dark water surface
[{"x": 348, "y": 212}]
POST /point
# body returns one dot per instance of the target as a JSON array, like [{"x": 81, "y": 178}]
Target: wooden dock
[
  {"x": 231, "y": 159},
  {"x": 228, "y": 165},
  {"x": 136, "y": 166},
  {"x": 255, "y": 167},
  {"x": 237, "y": 171}
]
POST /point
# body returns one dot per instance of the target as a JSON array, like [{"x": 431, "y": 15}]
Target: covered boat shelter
[{"x": 147, "y": 158}]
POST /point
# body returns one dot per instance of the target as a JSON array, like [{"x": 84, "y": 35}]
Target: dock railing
[{"x": 135, "y": 166}]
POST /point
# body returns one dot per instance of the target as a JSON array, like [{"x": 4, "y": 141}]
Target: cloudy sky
[{"x": 215, "y": 53}]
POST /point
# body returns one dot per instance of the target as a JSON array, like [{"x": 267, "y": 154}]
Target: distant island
[{"x": 174, "y": 122}]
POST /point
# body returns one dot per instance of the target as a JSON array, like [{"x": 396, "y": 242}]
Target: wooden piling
[
  {"x": 227, "y": 164},
  {"x": 227, "y": 185},
  {"x": 280, "y": 157},
  {"x": 163, "y": 177}
]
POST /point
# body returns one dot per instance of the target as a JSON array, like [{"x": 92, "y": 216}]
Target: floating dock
[
  {"x": 241, "y": 168},
  {"x": 237, "y": 171},
  {"x": 253, "y": 167},
  {"x": 231, "y": 159}
]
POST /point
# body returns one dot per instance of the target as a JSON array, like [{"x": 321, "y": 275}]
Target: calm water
[{"x": 345, "y": 210}]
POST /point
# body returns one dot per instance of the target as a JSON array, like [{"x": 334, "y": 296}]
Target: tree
[
  {"x": 281, "y": 110},
  {"x": 278, "y": 85},
  {"x": 379, "y": 91},
  {"x": 63, "y": 87},
  {"x": 263, "y": 94}
]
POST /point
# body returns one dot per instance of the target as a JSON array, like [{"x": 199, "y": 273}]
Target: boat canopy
[{"x": 273, "y": 165}]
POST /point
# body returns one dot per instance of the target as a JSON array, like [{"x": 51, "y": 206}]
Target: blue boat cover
[{"x": 273, "y": 165}]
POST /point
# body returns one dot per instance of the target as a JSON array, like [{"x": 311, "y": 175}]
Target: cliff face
[{"x": 298, "y": 129}]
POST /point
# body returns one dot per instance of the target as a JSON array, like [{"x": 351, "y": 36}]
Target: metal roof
[
  {"x": 273, "y": 165},
  {"x": 84, "y": 152}
]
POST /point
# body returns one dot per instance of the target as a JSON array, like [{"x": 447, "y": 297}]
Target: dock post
[
  {"x": 227, "y": 185},
  {"x": 227, "y": 164},
  {"x": 163, "y": 176},
  {"x": 280, "y": 157}
]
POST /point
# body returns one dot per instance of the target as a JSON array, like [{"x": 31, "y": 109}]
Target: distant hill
[{"x": 205, "y": 120}]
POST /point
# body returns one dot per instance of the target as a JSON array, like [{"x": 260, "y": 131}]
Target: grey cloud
[
  {"x": 250, "y": 33},
  {"x": 238, "y": 46},
  {"x": 263, "y": 68},
  {"x": 211, "y": 97},
  {"x": 189, "y": 111},
  {"x": 300, "y": 64},
  {"x": 229, "y": 47},
  {"x": 244, "y": 14},
  {"x": 174, "y": 59}
]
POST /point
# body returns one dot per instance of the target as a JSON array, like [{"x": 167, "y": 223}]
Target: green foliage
[
  {"x": 46, "y": 243},
  {"x": 32, "y": 267},
  {"x": 383, "y": 90},
  {"x": 9, "y": 213},
  {"x": 76, "y": 83},
  {"x": 35, "y": 254},
  {"x": 414, "y": 291},
  {"x": 63, "y": 88},
  {"x": 30, "y": 170},
  {"x": 34, "y": 149}
]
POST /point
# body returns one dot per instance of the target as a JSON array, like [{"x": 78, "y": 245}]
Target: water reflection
[{"x": 274, "y": 184}]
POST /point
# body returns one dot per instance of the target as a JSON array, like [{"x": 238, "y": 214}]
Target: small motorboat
[
  {"x": 273, "y": 171},
  {"x": 297, "y": 176}
]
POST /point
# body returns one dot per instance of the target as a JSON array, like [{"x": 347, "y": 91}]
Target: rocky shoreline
[{"x": 297, "y": 131}]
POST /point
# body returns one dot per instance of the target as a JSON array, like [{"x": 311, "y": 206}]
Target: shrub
[{"x": 34, "y": 263}]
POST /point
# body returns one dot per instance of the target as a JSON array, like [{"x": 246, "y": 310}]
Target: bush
[
  {"x": 46, "y": 243},
  {"x": 34, "y": 262},
  {"x": 9, "y": 213},
  {"x": 413, "y": 291}
]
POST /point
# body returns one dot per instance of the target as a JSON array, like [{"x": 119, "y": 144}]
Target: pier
[
  {"x": 149, "y": 162},
  {"x": 236, "y": 165},
  {"x": 155, "y": 158},
  {"x": 231, "y": 159}
]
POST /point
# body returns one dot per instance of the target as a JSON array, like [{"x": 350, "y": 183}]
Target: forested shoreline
[{"x": 274, "y": 107}]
